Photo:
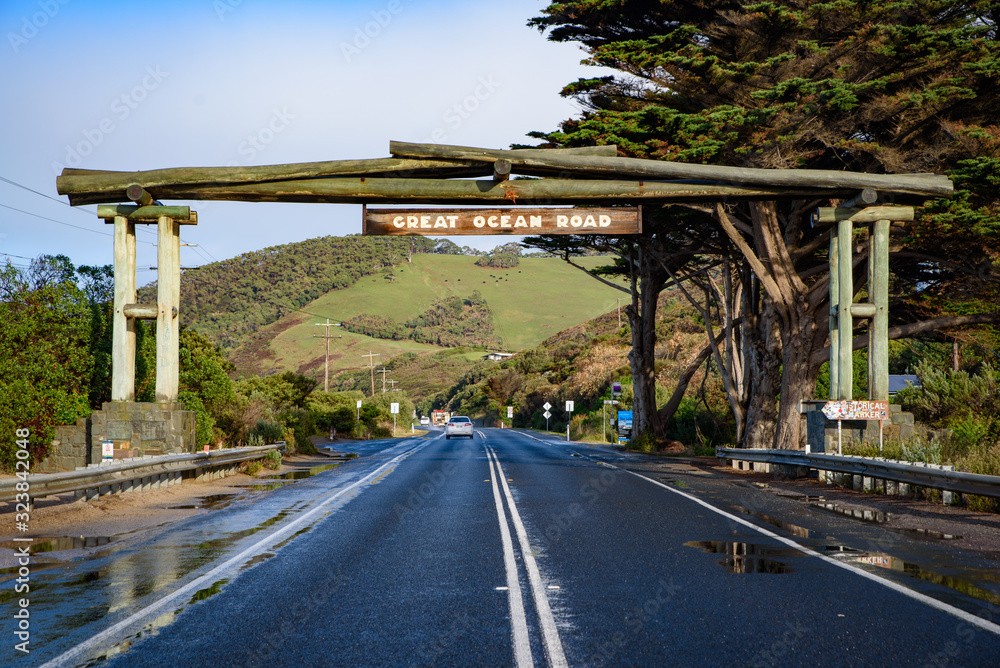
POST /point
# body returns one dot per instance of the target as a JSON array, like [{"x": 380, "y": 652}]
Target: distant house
[
  {"x": 901, "y": 381},
  {"x": 497, "y": 357}
]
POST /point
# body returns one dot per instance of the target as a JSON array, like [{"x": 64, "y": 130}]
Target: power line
[
  {"x": 53, "y": 220},
  {"x": 83, "y": 211}
]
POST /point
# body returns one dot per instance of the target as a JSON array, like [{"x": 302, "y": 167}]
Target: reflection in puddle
[
  {"x": 210, "y": 502},
  {"x": 794, "y": 529},
  {"x": 892, "y": 563},
  {"x": 202, "y": 594},
  {"x": 873, "y": 516},
  {"x": 41, "y": 545},
  {"x": 929, "y": 533},
  {"x": 745, "y": 557},
  {"x": 300, "y": 474}
]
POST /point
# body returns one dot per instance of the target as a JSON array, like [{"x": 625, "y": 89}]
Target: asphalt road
[{"x": 508, "y": 550}]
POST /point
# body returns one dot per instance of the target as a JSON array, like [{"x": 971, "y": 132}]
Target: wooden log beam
[
  {"x": 140, "y": 195},
  {"x": 162, "y": 182},
  {"x": 544, "y": 163},
  {"x": 402, "y": 149},
  {"x": 829, "y": 214},
  {"x": 533, "y": 192},
  {"x": 141, "y": 311},
  {"x": 182, "y": 214}
]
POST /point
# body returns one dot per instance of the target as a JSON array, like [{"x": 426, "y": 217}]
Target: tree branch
[{"x": 913, "y": 328}]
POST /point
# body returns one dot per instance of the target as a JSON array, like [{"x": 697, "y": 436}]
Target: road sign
[
  {"x": 359, "y": 403},
  {"x": 107, "y": 450},
  {"x": 547, "y": 405},
  {"x": 616, "y": 389},
  {"x": 430, "y": 222},
  {"x": 547, "y": 415},
  {"x": 393, "y": 408},
  {"x": 569, "y": 406},
  {"x": 510, "y": 411},
  {"x": 856, "y": 410}
]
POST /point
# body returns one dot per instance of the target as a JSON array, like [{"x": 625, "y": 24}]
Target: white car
[
  {"x": 458, "y": 425},
  {"x": 425, "y": 420}
]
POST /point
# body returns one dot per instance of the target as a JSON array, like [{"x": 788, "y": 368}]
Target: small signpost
[
  {"x": 394, "y": 409},
  {"x": 604, "y": 414},
  {"x": 107, "y": 450},
  {"x": 856, "y": 410},
  {"x": 569, "y": 409},
  {"x": 358, "y": 435},
  {"x": 547, "y": 414},
  {"x": 510, "y": 416}
]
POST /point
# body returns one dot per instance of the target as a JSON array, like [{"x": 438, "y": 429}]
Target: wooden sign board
[
  {"x": 856, "y": 410},
  {"x": 458, "y": 222}
]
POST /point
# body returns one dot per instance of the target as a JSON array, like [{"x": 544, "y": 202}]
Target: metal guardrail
[
  {"x": 114, "y": 474},
  {"x": 920, "y": 475}
]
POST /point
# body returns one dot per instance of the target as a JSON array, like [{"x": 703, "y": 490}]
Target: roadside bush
[
  {"x": 272, "y": 460},
  {"x": 266, "y": 432}
]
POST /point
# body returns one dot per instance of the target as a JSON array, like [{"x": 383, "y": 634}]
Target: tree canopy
[{"x": 903, "y": 87}]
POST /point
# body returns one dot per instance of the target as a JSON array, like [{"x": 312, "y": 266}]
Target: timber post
[
  {"x": 843, "y": 310},
  {"x": 168, "y": 220}
]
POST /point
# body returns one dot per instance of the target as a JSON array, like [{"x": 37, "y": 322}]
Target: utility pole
[
  {"x": 371, "y": 361},
  {"x": 619, "y": 313},
  {"x": 326, "y": 359},
  {"x": 392, "y": 383},
  {"x": 383, "y": 371}
]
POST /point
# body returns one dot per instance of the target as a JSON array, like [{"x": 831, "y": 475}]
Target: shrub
[
  {"x": 266, "y": 432},
  {"x": 272, "y": 460}
]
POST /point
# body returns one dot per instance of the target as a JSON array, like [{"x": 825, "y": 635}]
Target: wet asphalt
[{"x": 397, "y": 559}]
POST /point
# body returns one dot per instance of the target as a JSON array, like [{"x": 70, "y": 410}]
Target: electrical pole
[
  {"x": 371, "y": 361},
  {"x": 392, "y": 383},
  {"x": 326, "y": 359},
  {"x": 383, "y": 371}
]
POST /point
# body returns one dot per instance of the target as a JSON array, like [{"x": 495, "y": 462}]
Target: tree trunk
[{"x": 647, "y": 283}]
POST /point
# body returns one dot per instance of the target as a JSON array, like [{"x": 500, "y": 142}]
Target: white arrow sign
[
  {"x": 394, "y": 408},
  {"x": 569, "y": 406}
]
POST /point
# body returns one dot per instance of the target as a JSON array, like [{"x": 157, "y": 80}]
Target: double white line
[{"x": 519, "y": 622}]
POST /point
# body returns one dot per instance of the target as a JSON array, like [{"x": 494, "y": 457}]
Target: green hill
[{"x": 529, "y": 303}]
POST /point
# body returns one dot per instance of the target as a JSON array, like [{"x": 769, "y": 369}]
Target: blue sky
[{"x": 130, "y": 86}]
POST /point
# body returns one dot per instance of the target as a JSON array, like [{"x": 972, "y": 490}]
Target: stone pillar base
[{"x": 143, "y": 428}]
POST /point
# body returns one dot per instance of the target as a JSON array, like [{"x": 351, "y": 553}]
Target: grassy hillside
[{"x": 530, "y": 302}]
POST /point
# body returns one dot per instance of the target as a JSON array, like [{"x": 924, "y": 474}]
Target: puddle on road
[
  {"x": 300, "y": 473},
  {"x": 265, "y": 488},
  {"x": 42, "y": 545},
  {"x": 960, "y": 585},
  {"x": 202, "y": 594},
  {"x": 746, "y": 557},
  {"x": 210, "y": 502},
  {"x": 929, "y": 533},
  {"x": 871, "y": 516},
  {"x": 794, "y": 529}
]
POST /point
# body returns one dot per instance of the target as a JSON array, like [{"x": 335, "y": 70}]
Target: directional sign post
[
  {"x": 394, "y": 409},
  {"x": 604, "y": 417},
  {"x": 569, "y": 409},
  {"x": 856, "y": 410},
  {"x": 358, "y": 429},
  {"x": 547, "y": 414}
]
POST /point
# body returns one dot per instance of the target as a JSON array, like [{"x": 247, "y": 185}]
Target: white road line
[
  {"x": 923, "y": 598},
  {"x": 70, "y": 657},
  {"x": 518, "y": 620},
  {"x": 550, "y": 633}
]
